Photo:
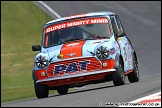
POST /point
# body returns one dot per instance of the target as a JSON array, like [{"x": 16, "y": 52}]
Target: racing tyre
[
  {"x": 119, "y": 76},
  {"x": 41, "y": 91},
  {"x": 134, "y": 76},
  {"x": 62, "y": 90}
]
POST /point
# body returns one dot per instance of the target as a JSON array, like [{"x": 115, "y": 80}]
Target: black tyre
[
  {"x": 62, "y": 89},
  {"x": 134, "y": 76},
  {"x": 41, "y": 91},
  {"x": 119, "y": 76}
]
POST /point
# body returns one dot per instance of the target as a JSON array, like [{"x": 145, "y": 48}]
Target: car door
[{"x": 123, "y": 42}]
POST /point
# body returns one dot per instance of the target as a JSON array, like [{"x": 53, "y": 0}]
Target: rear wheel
[
  {"x": 41, "y": 91},
  {"x": 62, "y": 89},
  {"x": 134, "y": 76},
  {"x": 119, "y": 76}
]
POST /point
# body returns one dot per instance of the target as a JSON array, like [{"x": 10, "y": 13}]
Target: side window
[
  {"x": 114, "y": 25},
  {"x": 120, "y": 28}
]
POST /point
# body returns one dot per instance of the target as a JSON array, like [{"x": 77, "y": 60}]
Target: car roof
[{"x": 82, "y": 15}]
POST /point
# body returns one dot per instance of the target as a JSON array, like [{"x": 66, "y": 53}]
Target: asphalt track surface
[{"x": 142, "y": 23}]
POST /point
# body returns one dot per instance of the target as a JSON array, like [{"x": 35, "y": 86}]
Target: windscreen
[{"x": 89, "y": 28}]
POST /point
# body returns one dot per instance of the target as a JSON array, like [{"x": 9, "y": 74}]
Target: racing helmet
[{"x": 66, "y": 32}]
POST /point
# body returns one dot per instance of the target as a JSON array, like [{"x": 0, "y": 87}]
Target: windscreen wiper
[
  {"x": 74, "y": 39},
  {"x": 51, "y": 45},
  {"x": 89, "y": 38},
  {"x": 79, "y": 39}
]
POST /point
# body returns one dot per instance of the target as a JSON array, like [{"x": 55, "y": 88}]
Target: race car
[{"x": 83, "y": 49}]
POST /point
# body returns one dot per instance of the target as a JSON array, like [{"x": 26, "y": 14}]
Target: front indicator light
[
  {"x": 43, "y": 74},
  {"x": 104, "y": 64}
]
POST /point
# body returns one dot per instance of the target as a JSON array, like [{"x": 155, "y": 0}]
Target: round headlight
[
  {"x": 102, "y": 52},
  {"x": 41, "y": 61}
]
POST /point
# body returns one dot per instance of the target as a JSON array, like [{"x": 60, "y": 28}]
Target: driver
[{"x": 66, "y": 34}]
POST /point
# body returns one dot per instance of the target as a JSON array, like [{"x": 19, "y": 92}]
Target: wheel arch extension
[
  {"x": 134, "y": 53},
  {"x": 34, "y": 75},
  {"x": 116, "y": 64}
]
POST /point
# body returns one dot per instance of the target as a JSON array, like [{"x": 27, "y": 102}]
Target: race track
[{"x": 142, "y": 23}]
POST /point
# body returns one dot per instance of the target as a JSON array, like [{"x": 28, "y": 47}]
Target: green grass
[{"x": 21, "y": 27}]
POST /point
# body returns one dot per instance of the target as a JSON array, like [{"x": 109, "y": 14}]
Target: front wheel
[
  {"x": 62, "y": 89},
  {"x": 134, "y": 76},
  {"x": 119, "y": 76},
  {"x": 41, "y": 91}
]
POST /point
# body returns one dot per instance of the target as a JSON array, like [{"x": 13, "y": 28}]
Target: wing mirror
[{"x": 36, "y": 47}]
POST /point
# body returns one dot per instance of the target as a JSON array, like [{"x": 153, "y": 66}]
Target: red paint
[
  {"x": 72, "y": 47},
  {"x": 93, "y": 66},
  {"x": 78, "y": 21},
  {"x": 38, "y": 74},
  {"x": 76, "y": 79},
  {"x": 128, "y": 72},
  {"x": 151, "y": 100}
]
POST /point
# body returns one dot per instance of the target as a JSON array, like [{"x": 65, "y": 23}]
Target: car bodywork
[{"x": 99, "y": 51}]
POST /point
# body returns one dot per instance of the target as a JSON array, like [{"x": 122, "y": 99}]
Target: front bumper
[
  {"x": 94, "y": 70},
  {"x": 75, "y": 78}
]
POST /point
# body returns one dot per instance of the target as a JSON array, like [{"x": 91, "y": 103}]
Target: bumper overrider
[{"x": 75, "y": 70}]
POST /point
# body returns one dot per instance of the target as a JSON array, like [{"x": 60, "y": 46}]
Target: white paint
[
  {"x": 136, "y": 103},
  {"x": 48, "y": 8},
  {"x": 149, "y": 97}
]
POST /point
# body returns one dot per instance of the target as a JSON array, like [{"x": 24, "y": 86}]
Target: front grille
[{"x": 73, "y": 66}]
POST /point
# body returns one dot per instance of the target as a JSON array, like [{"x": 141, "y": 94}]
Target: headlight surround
[
  {"x": 102, "y": 52},
  {"x": 41, "y": 61}
]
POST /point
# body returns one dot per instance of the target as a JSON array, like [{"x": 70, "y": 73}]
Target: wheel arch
[
  {"x": 34, "y": 75},
  {"x": 117, "y": 60},
  {"x": 134, "y": 54}
]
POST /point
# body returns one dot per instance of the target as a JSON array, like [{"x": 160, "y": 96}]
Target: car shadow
[{"x": 87, "y": 89}]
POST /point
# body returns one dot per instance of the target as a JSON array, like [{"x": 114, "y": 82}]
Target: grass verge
[{"x": 21, "y": 27}]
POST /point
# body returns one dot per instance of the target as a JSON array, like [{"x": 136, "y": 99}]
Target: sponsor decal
[
  {"x": 95, "y": 42},
  {"x": 75, "y": 16},
  {"x": 129, "y": 62},
  {"x": 76, "y": 23},
  {"x": 112, "y": 51},
  {"x": 130, "y": 54},
  {"x": 116, "y": 45},
  {"x": 125, "y": 53},
  {"x": 73, "y": 44},
  {"x": 71, "y": 67},
  {"x": 128, "y": 48},
  {"x": 129, "y": 51}
]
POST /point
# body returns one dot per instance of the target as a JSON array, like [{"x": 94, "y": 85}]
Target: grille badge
[{"x": 71, "y": 54}]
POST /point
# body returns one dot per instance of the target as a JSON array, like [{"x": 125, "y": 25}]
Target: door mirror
[{"x": 36, "y": 47}]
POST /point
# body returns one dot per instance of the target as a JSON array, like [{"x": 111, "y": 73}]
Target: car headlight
[
  {"x": 41, "y": 61},
  {"x": 102, "y": 52}
]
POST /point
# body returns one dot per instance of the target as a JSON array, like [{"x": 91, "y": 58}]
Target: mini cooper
[{"x": 83, "y": 49}]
